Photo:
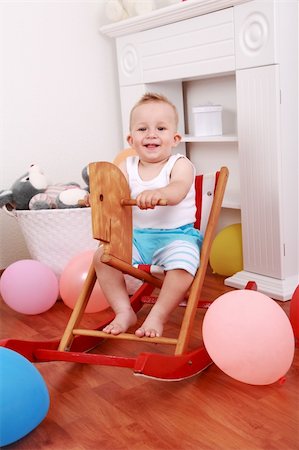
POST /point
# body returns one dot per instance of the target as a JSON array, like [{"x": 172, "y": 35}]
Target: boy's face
[{"x": 153, "y": 131}]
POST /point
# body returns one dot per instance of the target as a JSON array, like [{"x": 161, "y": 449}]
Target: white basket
[{"x": 55, "y": 236}]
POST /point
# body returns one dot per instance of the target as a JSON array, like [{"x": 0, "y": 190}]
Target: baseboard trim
[{"x": 273, "y": 287}]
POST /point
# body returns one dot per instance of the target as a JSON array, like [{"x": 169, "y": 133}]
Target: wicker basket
[{"x": 55, "y": 236}]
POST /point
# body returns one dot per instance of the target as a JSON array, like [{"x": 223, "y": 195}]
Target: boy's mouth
[{"x": 151, "y": 146}]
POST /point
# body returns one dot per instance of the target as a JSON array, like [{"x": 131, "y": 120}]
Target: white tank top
[{"x": 164, "y": 217}]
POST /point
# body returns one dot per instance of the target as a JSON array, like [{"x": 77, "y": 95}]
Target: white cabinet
[
  {"x": 266, "y": 36},
  {"x": 244, "y": 57}
]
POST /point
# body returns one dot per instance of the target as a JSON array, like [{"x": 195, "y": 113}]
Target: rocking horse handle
[
  {"x": 123, "y": 202},
  {"x": 132, "y": 202}
]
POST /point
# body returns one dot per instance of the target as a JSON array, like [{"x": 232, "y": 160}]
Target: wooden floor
[{"x": 106, "y": 408}]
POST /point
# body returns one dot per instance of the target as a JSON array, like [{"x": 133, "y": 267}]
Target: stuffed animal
[
  {"x": 85, "y": 176},
  {"x": 122, "y": 9},
  {"x": 32, "y": 191}
]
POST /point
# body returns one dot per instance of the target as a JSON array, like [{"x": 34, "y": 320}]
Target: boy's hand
[
  {"x": 181, "y": 179},
  {"x": 86, "y": 200},
  {"x": 149, "y": 199}
]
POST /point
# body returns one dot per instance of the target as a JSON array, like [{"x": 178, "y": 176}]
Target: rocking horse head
[{"x": 111, "y": 219}]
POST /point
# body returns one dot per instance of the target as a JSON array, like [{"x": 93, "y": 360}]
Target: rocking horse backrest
[{"x": 205, "y": 186}]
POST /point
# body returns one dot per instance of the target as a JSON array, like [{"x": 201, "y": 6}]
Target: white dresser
[{"x": 244, "y": 56}]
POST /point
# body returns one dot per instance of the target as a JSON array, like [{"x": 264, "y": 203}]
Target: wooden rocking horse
[{"x": 112, "y": 226}]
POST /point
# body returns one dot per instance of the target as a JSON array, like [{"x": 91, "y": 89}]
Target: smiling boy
[{"x": 163, "y": 235}]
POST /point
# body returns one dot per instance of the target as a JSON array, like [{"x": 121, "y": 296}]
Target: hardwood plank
[{"x": 108, "y": 408}]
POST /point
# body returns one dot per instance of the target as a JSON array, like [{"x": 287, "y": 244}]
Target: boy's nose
[{"x": 152, "y": 133}]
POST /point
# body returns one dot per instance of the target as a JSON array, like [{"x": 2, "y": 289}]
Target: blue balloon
[{"x": 24, "y": 397}]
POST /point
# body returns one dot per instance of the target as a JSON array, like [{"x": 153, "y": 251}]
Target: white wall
[{"x": 59, "y": 97}]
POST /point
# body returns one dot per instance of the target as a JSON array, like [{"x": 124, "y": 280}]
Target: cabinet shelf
[
  {"x": 231, "y": 204},
  {"x": 220, "y": 138}
]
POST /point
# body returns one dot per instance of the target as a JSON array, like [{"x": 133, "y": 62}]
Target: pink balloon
[
  {"x": 249, "y": 337},
  {"x": 29, "y": 287},
  {"x": 72, "y": 280}
]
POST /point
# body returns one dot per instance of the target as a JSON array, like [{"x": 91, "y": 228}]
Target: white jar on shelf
[{"x": 207, "y": 120}]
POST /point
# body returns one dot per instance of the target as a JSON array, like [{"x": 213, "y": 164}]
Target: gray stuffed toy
[{"x": 32, "y": 191}]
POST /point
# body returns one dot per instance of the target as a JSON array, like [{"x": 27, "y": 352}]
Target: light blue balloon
[{"x": 24, "y": 397}]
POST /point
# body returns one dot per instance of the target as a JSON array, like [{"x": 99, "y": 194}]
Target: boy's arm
[{"x": 182, "y": 177}]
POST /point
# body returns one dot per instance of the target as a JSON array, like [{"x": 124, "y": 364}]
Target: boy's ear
[
  {"x": 177, "y": 139},
  {"x": 129, "y": 139}
]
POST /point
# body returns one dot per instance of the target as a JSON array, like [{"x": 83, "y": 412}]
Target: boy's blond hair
[{"x": 154, "y": 97}]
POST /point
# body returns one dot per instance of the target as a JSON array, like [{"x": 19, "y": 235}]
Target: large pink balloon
[
  {"x": 29, "y": 287},
  {"x": 249, "y": 337},
  {"x": 72, "y": 280}
]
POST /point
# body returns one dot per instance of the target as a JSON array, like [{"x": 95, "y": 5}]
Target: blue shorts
[{"x": 177, "y": 248}]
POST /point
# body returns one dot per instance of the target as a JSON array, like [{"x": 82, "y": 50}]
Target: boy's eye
[
  {"x": 141, "y": 129},
  {"x": 161, "y": 128}
]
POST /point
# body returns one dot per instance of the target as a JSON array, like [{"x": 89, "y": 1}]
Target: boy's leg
[
  {"x": 180, "y": 258},
  {"x": 114, "y": 288},
  {"x": 175, "y": 286}
]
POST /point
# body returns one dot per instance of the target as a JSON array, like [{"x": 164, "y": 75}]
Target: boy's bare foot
[
  {"x": 122, "y": 321},
  {"x": 151, "y": 327}
]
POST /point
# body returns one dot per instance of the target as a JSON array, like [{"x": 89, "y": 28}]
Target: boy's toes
[
  {"x": 112, "y": 328},
  {"x": 108, "y": 328},
  {"x": 152, "y": 333},
  {"x": 140, "y": 332}
]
